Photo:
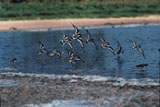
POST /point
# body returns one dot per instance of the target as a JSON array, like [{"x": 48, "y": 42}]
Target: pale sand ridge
[{"x": 66, "y": 23}]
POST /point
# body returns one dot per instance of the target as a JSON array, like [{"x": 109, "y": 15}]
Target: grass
[{"x": 56, "y": 10}]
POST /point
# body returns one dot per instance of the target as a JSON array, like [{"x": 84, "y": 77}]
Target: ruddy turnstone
[
  {"x": 14, "y": 60},
  {"x": 138, "y": 48},
  {"x": 107, "y": 45},
  {"x": 77, "y": 32},
  {"x": 141, "y": 65},
  {"x": 66, "y": 40},
  {"x": 120, "y": 51},
  {"x": 42, "y": 48},
  {"x": 91, "y": 40},
  {"x": 73, "y": 58},
  {"x": 54, "y": 52},
  {"x": 78, "y": 36}
]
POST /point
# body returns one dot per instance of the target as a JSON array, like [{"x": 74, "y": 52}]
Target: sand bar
[{"x": 66, "y": 23}]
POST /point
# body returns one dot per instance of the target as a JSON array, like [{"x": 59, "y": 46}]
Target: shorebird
[
  {"x": 77, "y": 33},
  {"x": 54, "y": 52},
  {"x": 107, "y": 45},
  {"x": 73, "y": 58},
  {"x": 141, "y": 65},
  {"x": 138, "y": 48},
  {"x": 42, "y": 48},
  {"x": 120, "y": 51},
  {"x": 66, "y": 40},
  {"x": 91, "y": 40},
  {"x": 78, "y": 36},
  {"x": 14, "y": 60}
]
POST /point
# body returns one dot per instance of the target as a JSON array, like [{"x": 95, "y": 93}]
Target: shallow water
[{"x": 24, "y": 45}]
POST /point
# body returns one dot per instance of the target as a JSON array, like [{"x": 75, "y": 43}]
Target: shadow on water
[
  {"x": 120, "y": 62},
  {"x": 159, "y": 59},
  {"x": 24, "y": 47}
]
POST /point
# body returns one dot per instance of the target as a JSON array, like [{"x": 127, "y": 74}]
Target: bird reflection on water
[{"x": 120, "y": 63}]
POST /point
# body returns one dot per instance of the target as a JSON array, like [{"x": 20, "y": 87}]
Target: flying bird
[
  {"x": 138, "y": 48},
  {"x": 42, "y": 49},
  {"x": 73, "y": 58},
  {"x": 77, "y": 33},
  {"x": 78, "y": 36},
  {"x": 91, "y": 40},
  {"x": 14, "y": 60},
  {"x": 54, "y": 52},
  {"x": 141, "y": 65},
  {"x": 120, "y": 51},
  {"x": 107, "y": 45},
  {"x": 67, "y": 41}
]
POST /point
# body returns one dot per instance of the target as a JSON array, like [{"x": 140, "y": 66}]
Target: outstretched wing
[
  {"x": 142, "y": 65},
  {"x": 111, "y": 49},
  {"x": 58, "y": 53},
  {"x": 77, "y": 58},
  {"x": 77, "y": 30},
  {"x": 42, "y": 48},
  {"x": 94, "y": 44},
  {"x": 70, "y": 45},
  {"x": 64, "y": 36},
  {"x": 41, "y": 45},
  {"x": 119, "y": 48},
  {"x": 81, "y": 42},
  {"x": 142, "y": 52},
  {"x": 134, "y": 43}
]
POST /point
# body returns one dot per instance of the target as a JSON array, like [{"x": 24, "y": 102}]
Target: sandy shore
[{"x": 66, "y": 23}]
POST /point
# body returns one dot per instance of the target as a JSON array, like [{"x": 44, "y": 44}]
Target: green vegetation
[{"x": 51, "y": 9}]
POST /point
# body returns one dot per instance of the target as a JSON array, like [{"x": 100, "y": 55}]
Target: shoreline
[
  {"x": 28, "y": 90},
  {"x": 90, "y": 78},
  {"x": 66, "y": 23}
]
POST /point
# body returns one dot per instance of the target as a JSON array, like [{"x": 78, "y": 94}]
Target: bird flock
[{"x": 77, "y": 36}]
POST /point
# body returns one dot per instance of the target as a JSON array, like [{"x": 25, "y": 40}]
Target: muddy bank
[{"x": 37, "y": 90}]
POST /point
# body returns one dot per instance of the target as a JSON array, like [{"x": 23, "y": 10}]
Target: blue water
[{"x": 24, "y": 45}]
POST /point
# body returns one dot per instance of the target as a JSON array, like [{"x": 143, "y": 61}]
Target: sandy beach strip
[{"x": 66, "y": 23}]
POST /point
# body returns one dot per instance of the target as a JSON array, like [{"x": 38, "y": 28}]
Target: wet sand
[
  {"x": 66, "y": 23},
  {"x": 37, "y": 90}
]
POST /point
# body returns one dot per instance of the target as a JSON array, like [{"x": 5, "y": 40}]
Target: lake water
[{"x": 24, "y": 45}]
